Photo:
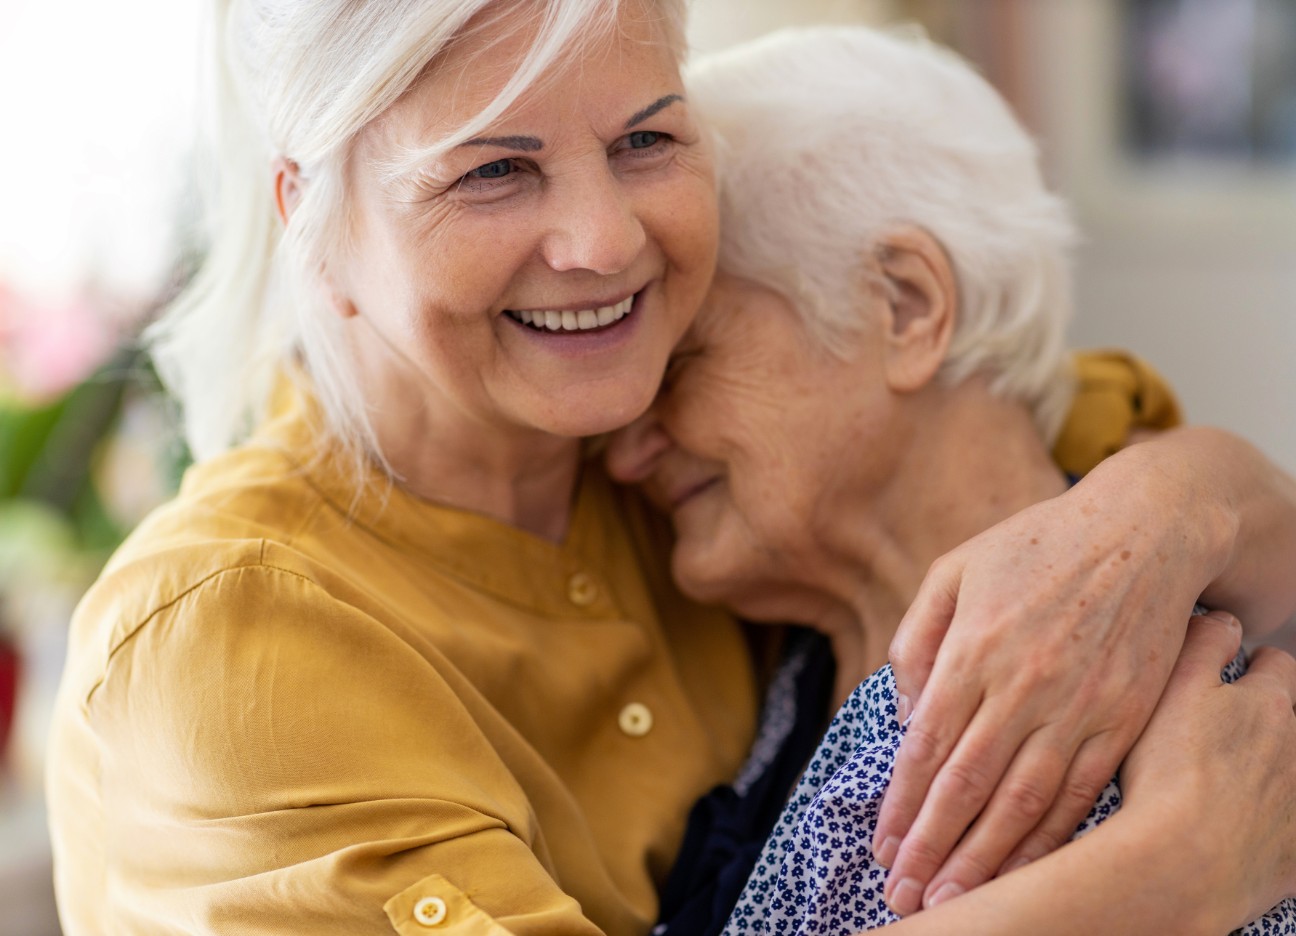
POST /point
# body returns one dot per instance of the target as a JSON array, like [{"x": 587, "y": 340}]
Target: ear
[
  {"x": 287, "y": 186},
  {"x": 922, "y": 302}
]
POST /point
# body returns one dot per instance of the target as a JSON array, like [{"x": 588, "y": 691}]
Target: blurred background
[{"x": 1169, "y": 124}]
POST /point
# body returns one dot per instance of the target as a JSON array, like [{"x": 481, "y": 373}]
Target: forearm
[
  {"x": 1243, "y": 536},
  {"x": 1125, "y": 877}
]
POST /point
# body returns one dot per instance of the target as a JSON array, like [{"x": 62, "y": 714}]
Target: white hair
[
  {"x": 300, "y": 79},
  {"x": 831, "y": 137}
]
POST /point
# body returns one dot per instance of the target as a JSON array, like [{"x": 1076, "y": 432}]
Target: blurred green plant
[
  {"x": 47, "y": 451},
  {"x": 57, "y": 523}
]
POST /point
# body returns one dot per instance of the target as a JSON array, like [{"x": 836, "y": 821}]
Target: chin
[
  {"x": 595, "y": 413},
  {"x": 703, "y": 579},
  {"x": 725, "y": 580}
]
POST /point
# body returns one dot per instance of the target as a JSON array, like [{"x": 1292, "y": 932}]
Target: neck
[
  {"x": 967, "y": 461},
  {"x": 518, "y": 475},
  {"x": 528, "y": 484}
]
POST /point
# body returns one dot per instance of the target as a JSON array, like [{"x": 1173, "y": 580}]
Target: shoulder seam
[{"x": 259, "y": 565}]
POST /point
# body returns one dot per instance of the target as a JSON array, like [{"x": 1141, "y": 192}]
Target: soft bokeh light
[{"x": 97, "y": 101}]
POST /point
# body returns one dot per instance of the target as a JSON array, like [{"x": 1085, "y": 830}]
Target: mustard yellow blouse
[
  {"x": 279, "y": 719},
  {"x": 288, "y": 710}
]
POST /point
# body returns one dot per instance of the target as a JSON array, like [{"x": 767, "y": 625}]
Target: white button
[
  {"x": 582, "y": 590},
  {"x": 430, "y": 911},
  {"x": 636, "y": 720}
]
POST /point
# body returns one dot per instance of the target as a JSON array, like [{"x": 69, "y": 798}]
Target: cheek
[
  {"x": 687, "y": 226},
  {"x": 442, "y": 271}
]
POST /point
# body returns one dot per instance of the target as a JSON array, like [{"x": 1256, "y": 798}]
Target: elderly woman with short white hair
[{"x": 876, "y": 378}]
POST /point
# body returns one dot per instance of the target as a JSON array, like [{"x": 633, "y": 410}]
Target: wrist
[
  {"x": 1184, "y": 874},
  {"x": 1169, "y": 488}
]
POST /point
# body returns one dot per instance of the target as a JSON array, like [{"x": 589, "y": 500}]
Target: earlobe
[{"x": 922, "y": 303}]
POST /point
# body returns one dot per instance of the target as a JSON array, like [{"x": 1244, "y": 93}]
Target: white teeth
[{"x": 571, "y": 320}]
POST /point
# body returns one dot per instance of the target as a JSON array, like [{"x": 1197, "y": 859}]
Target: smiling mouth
[{"x": 570, "y": 320}]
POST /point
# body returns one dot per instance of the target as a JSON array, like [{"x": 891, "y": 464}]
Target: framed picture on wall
[
  {"x": 1209, "y": 80},
  {"x": 1179, "y": 111}
]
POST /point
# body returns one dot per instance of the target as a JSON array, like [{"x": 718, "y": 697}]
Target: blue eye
[
  {"x": 492, "y": 170},
  {"x": 643, "y": 139}
]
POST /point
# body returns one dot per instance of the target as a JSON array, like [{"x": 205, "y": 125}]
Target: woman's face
[
  {"x": 760, "y": 437},
  {"x": 537, "y": 277}
]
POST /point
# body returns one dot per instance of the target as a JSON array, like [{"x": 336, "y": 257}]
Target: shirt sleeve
[
  {"x": 274, "y": 761},
  {"x": 1116, "y": 393}
]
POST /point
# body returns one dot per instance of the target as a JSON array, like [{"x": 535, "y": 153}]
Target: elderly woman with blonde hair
[{"x": 876, "y": 378}]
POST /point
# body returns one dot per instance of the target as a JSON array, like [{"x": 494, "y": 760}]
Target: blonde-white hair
[
  {"x": 829, "y": 137},
  {"x": 300, "y": 79}
]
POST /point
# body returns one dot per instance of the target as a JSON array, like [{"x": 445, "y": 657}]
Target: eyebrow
[
  {"x": 660, "y": 104},
  {"x": 530, "y": 144},
  {"x": 527, "y": 144}
]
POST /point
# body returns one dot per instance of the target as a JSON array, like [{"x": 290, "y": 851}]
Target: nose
[
  {"x": 595, "y": 225},
  {"x": 634, "y": 452}
]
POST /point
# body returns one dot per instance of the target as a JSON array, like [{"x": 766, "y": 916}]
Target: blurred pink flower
[{"x": 48, "y": 347}]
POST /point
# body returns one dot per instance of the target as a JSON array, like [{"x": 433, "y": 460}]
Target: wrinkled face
[
  {"x": 537, "y": 277},
  {"x": 758, "y": 437}
]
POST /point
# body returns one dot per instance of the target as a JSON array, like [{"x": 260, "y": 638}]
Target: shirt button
[
  {"x": 636, "y": 720},
  {"x": 581, "y": 590},
  {"x": 430, "y": 911}
]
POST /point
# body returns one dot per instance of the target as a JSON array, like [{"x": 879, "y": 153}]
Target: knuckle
[
  {"x": 1044, "y": 841},
  {"x": 902, "y": 648},
  {"x": 972, "y": 868},
  {"x": 1078, "y": 793},
  {"x": 966, "y": 781},
  {"x": 1027, "y": 798},
  {"x": 924, "y": 744},
  {"x": 921, "y": 857},
  {"x": 940, "y": 568}
]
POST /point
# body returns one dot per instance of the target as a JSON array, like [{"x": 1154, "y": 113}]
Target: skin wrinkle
[
  {"x": 838, "y": 475},
  {"x": 584, "y": 218}
]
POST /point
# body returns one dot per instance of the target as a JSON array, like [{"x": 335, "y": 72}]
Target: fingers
[
  {"x": 1028, "y": 789},
  {"x": 913, "y": 656},
  {"x": 918, "y": 638},
  {"x": 1212, "y": 641},
  {"x": 960, "y": 790},
  {"x": 1090, "y": 771},
  {"x": 928, "y": 741}
]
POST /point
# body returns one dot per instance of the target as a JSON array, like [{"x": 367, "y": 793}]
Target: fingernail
[
  {"x": 906, "y": 898},
  {"x": 1015, "y": 864},
  {"x": 943, "y": 893},
  {"x": 1223, "y": 617},
  {"x": 903, "y": 708},
  {"x": 886, "y": 855}
]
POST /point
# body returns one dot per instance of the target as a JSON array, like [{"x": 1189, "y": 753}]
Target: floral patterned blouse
[{"x": 817, "y": 876}]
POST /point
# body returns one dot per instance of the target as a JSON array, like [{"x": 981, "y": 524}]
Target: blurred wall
[{"x": 1191, "y": 265}]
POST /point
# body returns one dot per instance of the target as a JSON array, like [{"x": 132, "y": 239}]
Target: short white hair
[
  {"x": 300, "y": 79},
  {"x": 830, "y": 137}
]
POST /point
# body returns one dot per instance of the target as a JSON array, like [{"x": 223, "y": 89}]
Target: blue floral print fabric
[{"x": 816, "y": 875}]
